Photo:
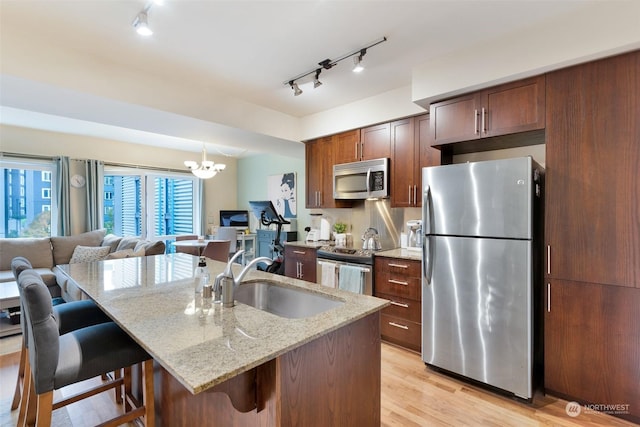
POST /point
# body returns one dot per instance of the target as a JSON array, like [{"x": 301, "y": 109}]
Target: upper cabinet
[
  {"x": 411, "y": 151},
  {"x": 501, "y": 110},
  {"x": 346, "y": 147},
  {"x": 319, "y": 174}
]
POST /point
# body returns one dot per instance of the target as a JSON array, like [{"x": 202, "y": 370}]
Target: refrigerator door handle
[
  {"x": 426, "y": 231},
  {"x": 426, "y": 210},
  {"x": 427, "y": 262}
]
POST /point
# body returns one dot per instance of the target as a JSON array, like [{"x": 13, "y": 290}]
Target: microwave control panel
[{"x": 377, "y": 181}]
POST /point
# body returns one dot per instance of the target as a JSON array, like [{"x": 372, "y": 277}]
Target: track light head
[
  {"x": 316, "y": 81},
  {"x": 357, "y": 61},
  {"x": 141, "y": 25},
  {"x": 296, "y": 90}
]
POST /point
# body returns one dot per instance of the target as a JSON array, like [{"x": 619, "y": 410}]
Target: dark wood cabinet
[
  {"x": 411, "y": 151},
  {"x": 375, "y": 142},
  {"x": 346, "y": 147},
  {"x": 592, "y": 351},
  {"x": 592, "y": 233},
  {"x": 592, "y": 159},
  {"x": 399, "y": 281},
  {"x": 319, "y": 174},
  {"x": 506, "y": 109},
  {"x": 300, "y": 262}
]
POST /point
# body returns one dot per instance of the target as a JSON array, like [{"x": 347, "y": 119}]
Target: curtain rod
[{"x": 26, "y": 156}]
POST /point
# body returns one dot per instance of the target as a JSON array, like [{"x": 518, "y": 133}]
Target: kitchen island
[{"x": 241, "y": 365}]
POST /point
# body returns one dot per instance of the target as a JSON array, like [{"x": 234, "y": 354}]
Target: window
[
  {"x": 26, "y": 207},
  {"x": 138, "y": 203}
]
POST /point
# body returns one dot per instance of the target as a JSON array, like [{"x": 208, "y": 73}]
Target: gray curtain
[
  {"x": 203, "y": 210},
  {"x": 94, "y": 171},
  {"x": 63, "y": 196}
]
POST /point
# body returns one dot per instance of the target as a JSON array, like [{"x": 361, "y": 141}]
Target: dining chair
[
  {"x": 69, "y": 316},
  {"x": 191, "y": 251},
  {"x": 57, "y": 360},
  {"x": 230, "y": 234},
  {"x": 218, "y": 250}
]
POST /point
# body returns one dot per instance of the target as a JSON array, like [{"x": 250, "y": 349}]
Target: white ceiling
[{"x": 241, "y": 49}]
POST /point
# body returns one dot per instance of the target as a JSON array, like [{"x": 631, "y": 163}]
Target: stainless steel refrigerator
[{"x": 481, "y": 224}]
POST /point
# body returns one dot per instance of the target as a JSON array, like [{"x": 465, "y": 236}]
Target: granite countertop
[
  {"x": 152, "y": 299},
  {"x": 401, "y": 253},
  {"x": 305, "y": 244}
]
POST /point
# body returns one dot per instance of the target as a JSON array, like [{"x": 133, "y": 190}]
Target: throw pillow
[
  {"x": 125, "y": 253},
  {"x": 63, "y": 246},
  {"x": 89, "y": 253},
  {"x": 112, "y": 241}
]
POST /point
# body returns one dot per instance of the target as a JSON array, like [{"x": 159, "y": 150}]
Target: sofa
[{"x": 46, "y": 253}]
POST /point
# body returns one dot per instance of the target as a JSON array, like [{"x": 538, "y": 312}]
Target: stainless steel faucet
[{"x": 226, "y": 284}]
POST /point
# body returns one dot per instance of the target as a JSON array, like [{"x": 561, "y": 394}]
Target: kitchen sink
[{"x": 283, "y": 301}]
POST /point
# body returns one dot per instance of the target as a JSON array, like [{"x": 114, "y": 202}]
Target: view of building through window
[
  {"x": 149, "y": 205},
  {"x": 27, "y": 201}
]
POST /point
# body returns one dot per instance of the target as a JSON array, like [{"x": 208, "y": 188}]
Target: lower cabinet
[
  {"x": 592, "y": 344},
  {"x": 300, "y": 262},
  {"x": 398, "y": 280}
]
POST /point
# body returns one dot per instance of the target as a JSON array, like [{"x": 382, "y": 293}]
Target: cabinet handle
[
  {"x": 409, "y": 195},
  {"x": 398, "y": 282},
  {"x": 397, "y": 325},
  {"x": 475, "y": 122},
  {"x": 415, "y": 194},
  {"x": 361, "y": 150},
  {"x": 300, "y": 265},
  {"x": 398, "y": 265},
  {"x": 548, "y": 297},
  {"x": 548, "y": 259},
  {"x": 356, "y": 151},
  {"x": 300, "y": 252},
  {"x": 484, "y": 127},
  {"x": 399, "y": 304}
]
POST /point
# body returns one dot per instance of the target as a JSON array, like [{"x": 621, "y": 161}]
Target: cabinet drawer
[
  {"x": 398, "y": 266},
  {"x": 398, "y": 285},
  {"x": 402, "y": 332},
  {"x": 402, "y": 308}
]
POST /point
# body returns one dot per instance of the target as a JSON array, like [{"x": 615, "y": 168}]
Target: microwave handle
[{"x": 369, "y": 180}]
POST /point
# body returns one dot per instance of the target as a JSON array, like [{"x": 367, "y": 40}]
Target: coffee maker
[{"x": 414, "y": 240}]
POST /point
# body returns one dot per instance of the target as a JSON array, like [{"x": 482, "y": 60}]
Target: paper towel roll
[{"x": 325, "y": 229}]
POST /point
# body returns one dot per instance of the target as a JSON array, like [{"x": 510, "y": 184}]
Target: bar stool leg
[{"x": 20, "y": 380}]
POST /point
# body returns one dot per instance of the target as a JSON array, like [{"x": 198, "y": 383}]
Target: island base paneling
[{"x": 331, "y": 381}]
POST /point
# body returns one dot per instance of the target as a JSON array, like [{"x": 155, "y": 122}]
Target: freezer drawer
[{"x": 477, "y": 310}]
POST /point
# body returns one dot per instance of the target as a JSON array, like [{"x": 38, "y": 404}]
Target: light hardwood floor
[{"x": 412, "y": 395}]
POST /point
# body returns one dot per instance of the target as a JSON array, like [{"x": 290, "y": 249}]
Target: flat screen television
[{"x": 234, "y": 218}]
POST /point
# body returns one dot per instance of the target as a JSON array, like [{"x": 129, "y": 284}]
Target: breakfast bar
[{"x": 242, "y": 365}]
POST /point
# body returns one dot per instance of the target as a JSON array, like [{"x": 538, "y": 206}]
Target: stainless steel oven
[{"x": 331, "y": 259}]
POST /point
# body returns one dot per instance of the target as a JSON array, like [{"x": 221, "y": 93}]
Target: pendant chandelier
[{"x": 206, "y": 169}]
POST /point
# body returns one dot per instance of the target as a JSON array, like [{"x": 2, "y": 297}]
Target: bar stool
[
  {"x": 57, "y": 360},
  {"x": 69, "y": 316},
  {"x": 218, "y": 250},
  {"x": 190, "y": 251}
]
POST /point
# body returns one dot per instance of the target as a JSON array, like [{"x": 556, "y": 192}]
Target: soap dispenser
[{"x": 202, "y": 283}]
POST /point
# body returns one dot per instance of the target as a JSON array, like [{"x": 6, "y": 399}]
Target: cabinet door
[
  {"x": 376, "y": 142},
  {"x": 300, "y": 263},
  {"x": 427, "y": 154},
  {"x": 591, "y": 350},
  {"x": 313, "y": 163},
  {"x": 513, "y": 107},
  {"x": 455, "y": 119},
  {"x": 403, "y": 181},
  {"x": 346, "y": 147},
  {"x": 592, "y": 221}
]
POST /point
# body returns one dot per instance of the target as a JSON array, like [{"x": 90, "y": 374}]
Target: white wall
[{"x": 220, "y": 191}]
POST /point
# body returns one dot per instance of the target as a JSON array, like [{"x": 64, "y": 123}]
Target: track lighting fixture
[
  {"x": 206, "y": 169},
  {"x": 141, "y": 21},
  {"x": 316, "y": 82},
  {"x": 296, "y": 90},
  {"x": 357, "y": 61},
  {"x": 141, "y": 24},
  {"x": 327, "y": 64}
]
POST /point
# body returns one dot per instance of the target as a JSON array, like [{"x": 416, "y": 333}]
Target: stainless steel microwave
[{"x": 368, "y": 179}]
